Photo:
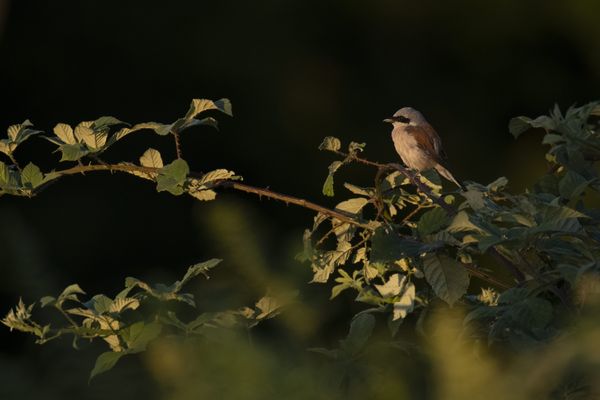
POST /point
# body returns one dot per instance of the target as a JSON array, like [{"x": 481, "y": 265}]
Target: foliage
[
  {"x": 546, "y": 238},
  {"x": 137, "y": 315},
  {"x": 403, "y": 245}
]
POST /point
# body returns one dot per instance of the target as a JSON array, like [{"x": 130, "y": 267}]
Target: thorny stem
[
  {"x": 177, "y": 144},
  {"x": 261, "y": 192}
]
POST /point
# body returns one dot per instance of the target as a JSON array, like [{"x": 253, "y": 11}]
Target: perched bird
[{"x": 417, "y": 142}]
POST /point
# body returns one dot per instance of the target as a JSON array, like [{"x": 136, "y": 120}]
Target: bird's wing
[{"x": 427, "y": 139}]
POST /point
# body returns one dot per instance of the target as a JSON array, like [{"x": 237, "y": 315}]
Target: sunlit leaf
[
  {"x": 151, "y": 158},
  {"x": 330, "y": 143}
]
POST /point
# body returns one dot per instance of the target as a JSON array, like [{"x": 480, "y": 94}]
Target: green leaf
[
  {"x": 519, "y": 125},
  {"x": 106, "y": 122},
  {"x": 572, "y": 185},
  {"x": 330, "y": 143},
  {"x": 532, "y": 313},
  {"x": 161, "y": 129},
  {"x": 389, "y": 247},
  {"x": 151, "y": 158},
  {"x": 65, "y": 133},
  {"x": 31, "y": 176},
  {"x": 328, "y": 185},
  {"x": 448, "y": 278},
  {"x": 105, "y": 362},
  {"x": 172, "y": 177},
  {"x": 361, "y": 329},
  {"x": 432, "y": 221},
  {"x": 139, "y": 342},
  {"x": 197, "y": 269},
  {"x": 72, "y": 152}
]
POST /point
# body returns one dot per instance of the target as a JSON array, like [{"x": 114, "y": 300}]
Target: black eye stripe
[{"x": 402, "y": 119}]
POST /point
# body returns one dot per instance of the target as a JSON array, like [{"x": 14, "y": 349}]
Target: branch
[{"x": 344, "y": 217}]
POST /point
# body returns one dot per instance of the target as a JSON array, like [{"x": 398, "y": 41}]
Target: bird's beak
[{"x": 390, "y": 120}]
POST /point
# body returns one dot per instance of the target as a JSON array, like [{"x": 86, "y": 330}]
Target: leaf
[
  {"x": 358, "y": 190},
  {"x": 330, "y": 143},
  {"x": 448, "y": 278},
  {"x": 572, "y": 185},
  {"x": 203, "y": 195},
  {"x": 148, "y": 333},
  {"x": 172, "y": 176},
  {"x": 462, "y": 223},
  {"x": 161, "y": 129},
  {"x": 392, "y": 287},
  {"x": 432, "y": 221},
  {"x": 151, "y": 158},
  {"x": 4, "y": 174},
  {"x": 389, "y": 247},
  {"x": 519, "y": 125},
  {"x": 105, "y": 362},
  {"x": 337, "y": 289},
  {"x": 197, "y": 269},
  {"x": 72, "y": 289},
  {"x": 216, "y": 175},
  {"x": 328, "y": 185},
  {"x": 21, "y": 132},
  {"x": 65, "y": 133},
  {"x": 72, "y": 152},
  {"x": 31, "y": 176},
  {"x": 106, "y": 122},
  {"x": 271, "y": 306},
  {"x": 361, "y": 329},
  {"x": 405, "y": 304},
  {"x": 352, "y": 206},
  {"x": 200, "y": 105},
  {"x": 47, "y": 300},
  {"x": 533, "y": 312}
]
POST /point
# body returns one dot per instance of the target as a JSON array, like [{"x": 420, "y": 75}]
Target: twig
[{"x": 473, "y": 270}]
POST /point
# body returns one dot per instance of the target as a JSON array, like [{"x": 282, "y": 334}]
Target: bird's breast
[{"x": 410, "y": 152}]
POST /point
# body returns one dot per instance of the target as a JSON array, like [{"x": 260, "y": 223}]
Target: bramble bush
[{"x": 518, "y": 270}]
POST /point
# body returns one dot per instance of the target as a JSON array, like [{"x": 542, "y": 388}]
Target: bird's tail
[{"x": 446, "y": 174}]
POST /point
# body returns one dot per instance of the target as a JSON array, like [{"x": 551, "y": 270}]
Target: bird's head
[{"x": 406, "y": 116}]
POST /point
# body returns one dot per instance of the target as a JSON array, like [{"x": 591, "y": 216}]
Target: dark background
[{"x": 295, "y": 71}]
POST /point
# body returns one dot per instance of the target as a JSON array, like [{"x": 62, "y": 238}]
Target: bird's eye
[{"x": 403, "y": 119}]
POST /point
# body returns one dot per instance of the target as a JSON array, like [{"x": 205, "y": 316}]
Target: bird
[{"x": 417, "y": 143}]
